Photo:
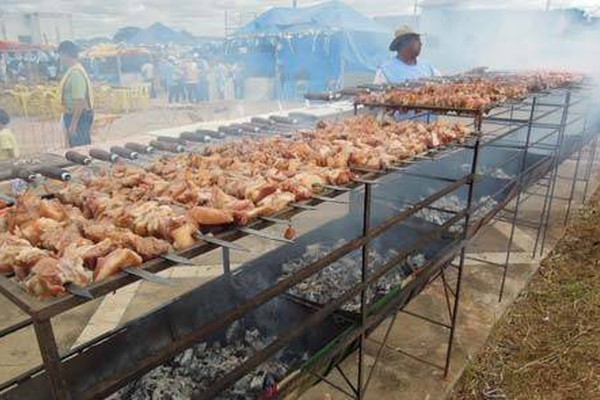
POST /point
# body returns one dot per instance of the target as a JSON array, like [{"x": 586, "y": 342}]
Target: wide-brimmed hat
[{"x": 400, "y": 34}]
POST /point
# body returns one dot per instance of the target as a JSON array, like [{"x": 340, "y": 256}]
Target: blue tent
[{"x": 318, "y": 43}]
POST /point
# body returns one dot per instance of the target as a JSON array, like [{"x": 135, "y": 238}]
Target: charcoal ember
[
  {"x": 185, "y": 358},
  {"x": 488, "y": 171},
  {"x": 337, "y": 278},
  {"x": 197, "y": 368},
  {"x": 454, "y": 204}
]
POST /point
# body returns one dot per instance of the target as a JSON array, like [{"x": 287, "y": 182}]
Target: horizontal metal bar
[
  {"x": 424, "y": 318},
  {"x": 433, "y": 177},
  {"x": 485, "y": 261},
  {"x": 15, "y": 327},
  {"x": 405, "y": 353}
]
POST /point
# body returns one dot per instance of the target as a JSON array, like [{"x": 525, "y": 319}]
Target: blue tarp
[{"x": 314, "y": 43}]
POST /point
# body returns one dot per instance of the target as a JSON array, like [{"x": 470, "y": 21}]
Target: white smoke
[{"x": 457, "y": 39}]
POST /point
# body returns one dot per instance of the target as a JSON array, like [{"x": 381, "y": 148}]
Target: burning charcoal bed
[
  {"x": 196, "y": 368},
  {"x": 342, "y": 275}
]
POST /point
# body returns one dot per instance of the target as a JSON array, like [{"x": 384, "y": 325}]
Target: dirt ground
[
  {"x": 547, "y": 346},
  {"x": 37, "y": 135}
]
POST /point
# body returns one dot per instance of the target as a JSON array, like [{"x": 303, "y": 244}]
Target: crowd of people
[
  {"x": 194, "y": 79},
  {"x": 35, "y": 66}
]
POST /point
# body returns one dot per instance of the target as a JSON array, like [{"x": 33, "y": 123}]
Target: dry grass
[{"x": 547, "y": 346}]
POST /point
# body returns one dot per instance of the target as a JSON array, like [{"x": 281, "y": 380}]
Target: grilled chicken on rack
[
  {"x": 131, "y": 214},
  {"x": 472, "y": 92}
]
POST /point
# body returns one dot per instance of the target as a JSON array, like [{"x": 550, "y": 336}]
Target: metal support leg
[
  {"x": 363, "y": 294},
  {"x": 520, "y": 189},
  {"x": 226, "y": 261},
  {"x": 590, "y": 166},
  {"x": 574, "y": 182},
  {"x": 51, "y": 358},
  {"x": 555, "y": 170},
  {"x": 461, "y": 264}
]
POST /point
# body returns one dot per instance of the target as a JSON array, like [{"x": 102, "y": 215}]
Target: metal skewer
[
  {"x": 301, "y": 206},
  {"x": 78, "y": 291},
  {"x": 177, "y": 259},
  {"x": 264, "y": 235},
  {"x": 276, "y": 220},
  {"x": 329, "y": 199},
  {"x": 219, "y": 242},
  {"x": 336, "y": 188},
  {"x": 148, "y": 276}
]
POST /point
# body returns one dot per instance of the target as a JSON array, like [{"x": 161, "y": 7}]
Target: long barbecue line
[{"x": 128, "y": 257}]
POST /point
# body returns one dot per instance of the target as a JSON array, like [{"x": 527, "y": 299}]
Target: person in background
[
  {"x": 3, "y": 73},
  {"x": 178, "y": 89},
  {"x": 405, "y": 66},
  {"x": 165, "y": 73},
  {"x": 148, "y": 76},
  {"x": 203, "y": 72},
  {"x": 238, "y": 81},
  {"x": 190, "y": 80},
  {"x": 76, "y": 96},
  {"x": 8, "y": 145}
]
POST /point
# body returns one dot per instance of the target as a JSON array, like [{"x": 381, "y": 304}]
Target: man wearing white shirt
[{"x": 405, "y": 66}]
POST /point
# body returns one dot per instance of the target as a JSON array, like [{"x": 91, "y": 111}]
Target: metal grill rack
[{"x": 100, "y": 367}]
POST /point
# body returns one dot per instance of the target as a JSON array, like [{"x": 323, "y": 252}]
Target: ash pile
[
  {"x": 339, "y": 277},
  {"x": 197, "y": 368},
  {"x": 453, "y": 204}
]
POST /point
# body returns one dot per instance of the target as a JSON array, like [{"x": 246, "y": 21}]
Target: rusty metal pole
[{"x": 51, "y": 358}]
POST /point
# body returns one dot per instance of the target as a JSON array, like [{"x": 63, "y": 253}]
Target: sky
[{"x": 207, "y": 17}]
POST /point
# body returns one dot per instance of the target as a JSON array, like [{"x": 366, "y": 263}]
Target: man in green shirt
[
  {"x": 76, "y": 95},
  {"x": 8, "y": 145}
]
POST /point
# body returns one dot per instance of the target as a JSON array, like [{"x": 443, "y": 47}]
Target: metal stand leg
[
  {"x": 226, "y": 261},
  {"x": 574, "y": 182},
  {"x": 520, "y": 189},
  {"x": 51, "y": 358},
  {"x": 461, "y": 264},
  {"x": 554, "y": 171},
  {"x": 588, "y": 172},
  {"x": 363, "y": 294}
]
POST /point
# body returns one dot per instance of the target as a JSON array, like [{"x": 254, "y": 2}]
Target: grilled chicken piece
[
  {"x": 275, "y": 202},
  {"x": 33, "y": 231},
  {"x": 49, "y": 276},
  {"x": 90, "y": 253},
  {"x": 147, "y": 247},
  {"x": 52, "y": 209},
  {"x": 208, "y": 216},
  {"x": 59, "y": 238},
  {"x": 114, "y": 262},
  {"x": 184, "y": 235},
  {"x": 17, "y": 255}
]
